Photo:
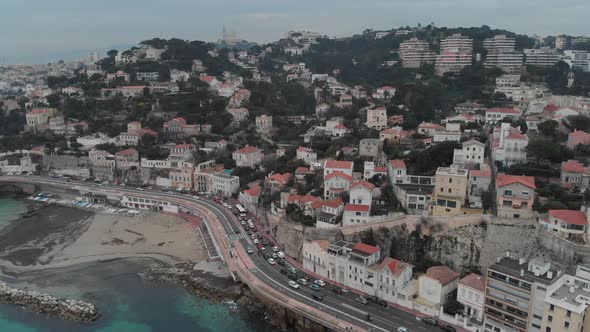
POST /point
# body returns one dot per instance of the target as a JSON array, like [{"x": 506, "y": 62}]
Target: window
[
  {"x": 551, "y": 308},
  {"x": 550, "y": 318},
  {"x": 547, "y": 329},
  {"x": 450, "y": 180},
  {"x": 569, "y": 314},
  {"x": 507, "y": 192},
  {"x": 566, "y": 325}
]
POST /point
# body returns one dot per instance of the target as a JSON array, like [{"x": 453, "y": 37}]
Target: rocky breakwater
[
  {"x": 44, "y": 303},
  {"x": 201, "y": 284}
]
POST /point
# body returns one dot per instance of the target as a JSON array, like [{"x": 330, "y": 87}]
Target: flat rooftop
[
  {"x": 563, "y": 294},
  {"x": 510, "y": 266}
]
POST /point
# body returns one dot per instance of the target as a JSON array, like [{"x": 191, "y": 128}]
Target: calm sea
[{"x": 127, "y": 302}]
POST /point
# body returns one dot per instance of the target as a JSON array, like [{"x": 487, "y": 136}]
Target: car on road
[
  {"x": 265, "y": 242},
  {"x": 274, "y": 255},
  {"x": 275, "y": 249},
  {"x": 255, "y": 241},
  {"x": 237, "y": 230},
  {"x": 281, "y": 262},
  {"x": 292, "y": 270},
  {"x": 271, "y": 261},
  {"x": 302, "y": 281},
  {"x": 402, "y": 329},
  {"x": 293, "y": 284},
  {"x": 249, "y": 250},
  {"x": 266, "y": 256},
  {"x": 336, "y": 290},
  {"x": 320, "y": 282},
  {"x": 362, "y": 299},
  {"x": 429, "y": 321},
  {"x": 281, "y": 254},
  {"x": 292, "y": 276},
  {"x": 317, "y": 296},
  {"x": 315, "y": 287},
  {"x": 243, "y": 223},
  {"x": 447, "y": 328}
]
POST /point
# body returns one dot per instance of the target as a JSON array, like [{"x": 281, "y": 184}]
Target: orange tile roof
[
  {"x": 281, "y": 178},
  {"x": 367, "y": 249},
  {"x": 248, "y": 150},
  {"x": 480, "y": 174},
  {"x": 571, "y": 217},
  {"x": 338, "y": 164},
  {"x": 442, "y": 274},
  {"x": 364, "y": 184},
  {"x": 338, "y": 174},
  {"x": 397, "y": 163},
  {"x": 322, "y": 244},
  {"x": 333, "y": 203},
  {"x": 474, "y": 281},
  {"x": 253, "y": 190},
  {"x": 130, "y": 151},
  {"x": 573, "y": 166},
  {"x": 356, "y": 207},
  {"x": 395, "y": 266},
  {"x": 504, "y": 180},
  {"x": 503, "y": 110}
]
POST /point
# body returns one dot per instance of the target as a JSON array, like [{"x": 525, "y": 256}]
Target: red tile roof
[
  {"x": 380, "y": 169},
  {"x": 573, "y": 166},
  {"x": 340, "y": 126},
  {"x": 253, "y": 190},
  {"x": 281, "y": 178},
  {"x": 430, "y": 125},
  {"x": 300, "y": 170},
  {"x": 504, "y": 180},
  {"x": 338, "y": 174},
  {"x": 397, "y": 163},
  {"x": 396, "y": 267},
  {"x": 40, "y": 111},
  {"x": 443, "y": 274},
  {"x": 514, "y": 135},
  {"x": 571, "y": 217},
  {"x": 503, "y": 110},
  {"x": 248, "y": 150},
  {"x": 322, "y": 244},
  {"x": 127, "y": 152},
  {"x": 333, "y": 203},
  {"x": 364, "y": 184},
  {"x": 184, "y": 146},
  {"x": 367, "y": 249},
  {"x": 338, "y": 164},
  {"x": 551, "y": 108},
  {"x": 356, "y": 207},
  {"x": 474, "y": 281}
]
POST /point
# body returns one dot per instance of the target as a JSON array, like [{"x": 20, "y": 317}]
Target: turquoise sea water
[
  {"x": 127, "y": 302},
  {"x": 9, "y": 209}
]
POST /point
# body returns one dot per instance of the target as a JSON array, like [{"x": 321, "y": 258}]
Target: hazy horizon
[{"x": 40, "y": 32}]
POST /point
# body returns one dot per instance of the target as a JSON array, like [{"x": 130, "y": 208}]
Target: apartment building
[
  {"x": 578, "y": 59},
  {"x": 239, "y": 114},
  {"x": 377, "y": 118},
  {"x": 501, "y": 54},
  {"x": 456, "y": 52},
  {"x": 415, "y": 53},
  {"x": 211, "y": 178},
  {"x": 566, "y": 303},
  {"x": 471, "y": 294},
  {"x": 249, "y": 156},
  {"x": 359, "y": 266},
  {"x": 515, "y": 294},
  {"x": 370, "y": 147},
  {"x": 331, "y": 166},
  {"x": 494, "y": 115},
  {"x": 450, "y": 191},
  {"x": 515, "y": 196},
  {"x": 436, "y": 286},
  {"x": 306, "y": 154},
  {"x": 543, "y": 57},
  {"x": 179, "y": 127}
]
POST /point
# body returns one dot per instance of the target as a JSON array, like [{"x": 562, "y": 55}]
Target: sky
[{"x": 39, "y": 31}]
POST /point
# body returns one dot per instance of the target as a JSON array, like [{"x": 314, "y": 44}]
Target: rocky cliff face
[{"x": 466, "y": 248}]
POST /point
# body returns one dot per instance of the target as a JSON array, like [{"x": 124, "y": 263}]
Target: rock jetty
[{"x": 44, "y": 303}]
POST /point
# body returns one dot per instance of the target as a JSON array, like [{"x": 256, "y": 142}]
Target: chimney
[
  {"x": 572, "y": 289},
  {"x": 522, "y": 272},
  {"x": 521, "y": 261},
  {"x": 497, "y": 259},
  {"x": 507, "y": 253},
  {"x": 549, "y": 274}
]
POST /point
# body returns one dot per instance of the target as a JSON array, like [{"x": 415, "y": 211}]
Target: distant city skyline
[{"x": 38, "y": 31}]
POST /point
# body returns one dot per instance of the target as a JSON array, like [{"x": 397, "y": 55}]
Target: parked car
[
  {"x": 275, "y": 249},
  {"x": 447, "y": 328},
  {"x": 293, "y": 284},
  {"x": 274, "y": 255},
  {"x": 362, "y": 299},
  {"x": 429, "y": 321},
  {"x": 280, "y": 262},
  {"x": 302, "y": 281},
  {"x": 320, "y": 282},
  {"x": 292, "y": 276},
  {"x": 255, "y": 241},
  {"x": 317, "y": 296},
  {"x": 271, "y": 261},
  {"x": 281, "y": 254},
  {"x": 250, "y": 251},
  {"x": 336, "y": 290},
  {"x": 315, "y": 287}
]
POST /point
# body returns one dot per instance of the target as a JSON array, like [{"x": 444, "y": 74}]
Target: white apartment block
[
  {"x": 578, "y": 59},
  {"x": 543, "y": 57},
  {"x": 359, "y": 266},
  {"x": 264, "y": 122},
  {"x": 510, "y": 146},
  {"x": 414, "y": 53},
  {"x": 501, "y": 54},
  {"x": 456, "y": 52}
]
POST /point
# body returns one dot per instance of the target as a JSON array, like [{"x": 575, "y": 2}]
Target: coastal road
[{"x": 342, "y": 306}]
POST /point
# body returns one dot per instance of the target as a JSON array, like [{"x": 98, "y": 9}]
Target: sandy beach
[{"x": 58, "y": 236}]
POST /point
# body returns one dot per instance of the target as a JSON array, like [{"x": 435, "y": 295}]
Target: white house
[
  {"x": 306, "y": 154},
  {"x": 361, "y": 193},
  {"x": 331, "y": 166},
  {"x": 355, "y": 214},
  {"x": 472, "y": 152},
  {"x": 436, "y": 285},
  {"x": 249, "y": 156},
  {"x": 377, "y": 118},
  {"x": 471, "y": 293},
  {"x": 335, "y": 184},
  {"x": 493, "y": 115}
]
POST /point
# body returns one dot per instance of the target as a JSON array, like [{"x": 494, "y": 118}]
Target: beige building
[
  {"x": 566, "y": 303},
  {"x": 436, "y": 286},
  {"x": 450, "y": 191},
  {"x": 263, "y": 122},
  {"x": 249, "y": 156}
]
